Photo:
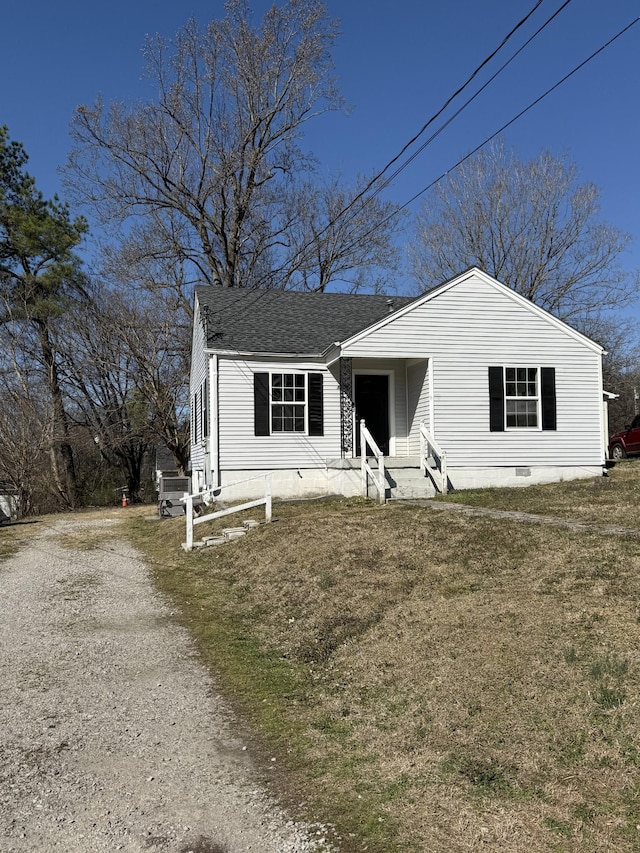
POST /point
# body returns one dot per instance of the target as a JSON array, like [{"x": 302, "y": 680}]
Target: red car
[{"x": 626, "y": 442}]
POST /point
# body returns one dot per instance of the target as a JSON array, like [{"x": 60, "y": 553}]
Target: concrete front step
[{"x": 408, "y": 483}]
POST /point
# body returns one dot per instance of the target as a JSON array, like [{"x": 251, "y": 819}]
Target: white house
[{"x": 498, "y": 388}]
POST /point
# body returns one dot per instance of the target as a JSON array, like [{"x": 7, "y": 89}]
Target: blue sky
[{"x": 396, "y": 64}]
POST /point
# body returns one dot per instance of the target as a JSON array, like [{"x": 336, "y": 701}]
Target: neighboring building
[
  {"x": 8, "y": 502},
  {"x": 511, "y": 394}
]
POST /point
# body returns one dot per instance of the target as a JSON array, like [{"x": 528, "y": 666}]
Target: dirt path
[
  {"x": 111, "y": 734},
  {"x": 531, "y": 518}
]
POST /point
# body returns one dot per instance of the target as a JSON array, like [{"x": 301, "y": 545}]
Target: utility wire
[
  {"x": 467, "y": 102},
  {"x": 505, "y": 126},
  {"x": 442, "y": 108},
  {"x": 300, "y": 252},
  {"x": 384, "y": 184}
]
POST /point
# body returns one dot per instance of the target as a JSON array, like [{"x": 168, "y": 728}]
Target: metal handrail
[
  {"x": 189, "y": 499},
  {"x": 427, "y": 443},
  {"x": 366, "y": 470}
]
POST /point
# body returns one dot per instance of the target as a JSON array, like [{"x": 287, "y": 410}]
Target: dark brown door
[{"x": 372, "y": 404}]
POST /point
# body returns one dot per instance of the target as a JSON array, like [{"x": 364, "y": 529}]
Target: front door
[{"x": 371, "y": 391}]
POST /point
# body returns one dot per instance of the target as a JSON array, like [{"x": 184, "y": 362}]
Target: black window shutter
[
  {"x": 316, "y": 404},
  {"x": 261, "y": 403},
  {"x": 548, "y": 397},
  {"x": 496, "y": 399}
]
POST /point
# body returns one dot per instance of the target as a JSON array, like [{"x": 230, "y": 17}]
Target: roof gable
[{"x": 508, "y": 292}]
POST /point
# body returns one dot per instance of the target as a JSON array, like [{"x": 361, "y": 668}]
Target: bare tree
[
  {"x": 354, "y": 249},
  {"x": 23, "y": 449},
  {"x": 529, "y": 224},
  {"x": 126, "y": 377},
  {"x": 211, "y": 173},
  {"x": 26, "y": 429}
]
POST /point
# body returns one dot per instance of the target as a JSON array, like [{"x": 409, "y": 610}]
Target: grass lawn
[
  {"x": 431, "y": 681},
  {"x": 605, "y": 500}
]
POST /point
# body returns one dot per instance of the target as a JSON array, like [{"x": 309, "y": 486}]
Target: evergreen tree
[{"x": 40, "y": 275}]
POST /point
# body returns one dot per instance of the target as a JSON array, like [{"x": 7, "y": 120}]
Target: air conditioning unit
[{"x": 171, "y": 490}]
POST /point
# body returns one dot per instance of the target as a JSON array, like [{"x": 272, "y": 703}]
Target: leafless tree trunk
[{"x": 61, "y": 450}]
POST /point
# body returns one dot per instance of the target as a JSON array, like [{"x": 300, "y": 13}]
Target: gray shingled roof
[{"x": 278, "y": 321}]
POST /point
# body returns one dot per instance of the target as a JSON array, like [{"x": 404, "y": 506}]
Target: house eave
[{"x": 235, "y": 353}]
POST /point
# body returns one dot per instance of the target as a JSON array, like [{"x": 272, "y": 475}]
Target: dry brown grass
[
  {"x": 602, "y": 500},
  {"x": 432, "y": 682},
  {"x": 13, "y": 534}
]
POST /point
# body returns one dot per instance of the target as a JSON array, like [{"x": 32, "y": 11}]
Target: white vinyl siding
[
  {"x": 197, "y": 379},
  {"x": 418, "y": 394},
  {"x": 241, "y": 449},
  {"x": 472, "y": 326}
]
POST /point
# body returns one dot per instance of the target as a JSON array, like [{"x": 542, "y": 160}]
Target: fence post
[
  {"x": 189, "y": 508},
  {"x": 267, "y": 495},
  {"x": 364, "y": 484}
]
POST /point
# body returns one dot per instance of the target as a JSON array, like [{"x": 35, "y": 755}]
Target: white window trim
[
  {"x": 538, "y": 398},
  {"x": 273, "y": 403}
]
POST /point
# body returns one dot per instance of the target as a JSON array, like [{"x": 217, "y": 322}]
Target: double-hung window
[
  {"x": 288, "y": 402},
  {"x": 522, "y": 397}
]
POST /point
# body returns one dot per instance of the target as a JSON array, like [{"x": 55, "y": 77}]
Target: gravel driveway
[{"x": 112, "y": 736}]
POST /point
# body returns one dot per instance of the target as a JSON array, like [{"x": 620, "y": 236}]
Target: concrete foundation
[{"x": 342, "y": 477}]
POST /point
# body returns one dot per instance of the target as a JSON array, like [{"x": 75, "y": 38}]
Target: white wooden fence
[{"x": 213, "y": 494}]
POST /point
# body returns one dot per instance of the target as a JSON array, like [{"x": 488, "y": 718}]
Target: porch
[{"x": 393, "y": 396}]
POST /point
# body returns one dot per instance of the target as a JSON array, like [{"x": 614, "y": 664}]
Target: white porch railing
[
  {"x": 431, "y": 450},
  {"x": 210, "y": 493},
  {"x": 366, "y": 471}
]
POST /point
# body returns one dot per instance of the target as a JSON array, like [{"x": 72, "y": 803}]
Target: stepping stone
[
  {"x": 234, "y": 532},
  {"x": 213, "y": 540}
]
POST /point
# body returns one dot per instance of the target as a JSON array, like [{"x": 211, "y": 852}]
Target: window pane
[
  {"x": 288, "y": 418},
  {"x": 276, "y": 380},
  {"x": 522, "y": 413},
  {"x": 288, "y": 424}
]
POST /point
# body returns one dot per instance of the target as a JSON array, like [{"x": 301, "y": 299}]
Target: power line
[
  {"x": 300, "y": 252},
  {"x": 445, "y": 105},
  {"x": 442, "y": 127},
  {"x": 469, "y": 100},
  {"x": 506, "y": 125}
]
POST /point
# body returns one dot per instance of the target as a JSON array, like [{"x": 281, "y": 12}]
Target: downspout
[
  {"x": 214, "y": 431},
  {"x": 432, "y": 415},
  {"x": 603, "y": 427},
  {"x": 406, "y": 409}
]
